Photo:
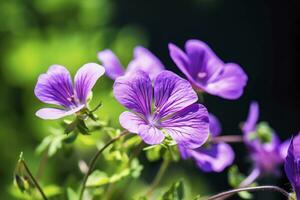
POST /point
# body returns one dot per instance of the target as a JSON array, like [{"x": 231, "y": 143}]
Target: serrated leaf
[
  {"x": 97, "y": 178},
  {"x": 176, "y": 192},
  {"x": 55, "y": 145}
]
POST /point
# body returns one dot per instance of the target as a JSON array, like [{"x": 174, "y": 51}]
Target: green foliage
[
  {"x": 175, "y": 192},
  {"x": 53, "y": 143},
  {"x": 99, "y": 178},
  {"x": 71, "y": 194},
  {"x": 235, "y": 178},
  {"x": 166, "y": 150},
  {"x": 153, "y": 153}
]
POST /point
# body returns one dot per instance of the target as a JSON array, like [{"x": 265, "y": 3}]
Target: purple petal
[
  {"x": 54, "y": 113},
  {"x": 203, "y": 61},
  {"x": 214, "y": 158},
  {"x": 85, "y": 79},
  {"x": 266, "y": 155},
  {"x": 181, "y": 60},
  {"x": 55, "y": 87},
  {"x": 292, "y": 164},
  {"x": 188, "y": 127},
  {"x": 111, "y": 64},
  {"x": 172, "y": 94},
  {"x": 135, "y": 124},
  {"x": 284, "y": 148},
  {"x": 207, "y": 72},
  {"x": 135, "y": 92},
  {"x": 184, "y": 152},
  {"x": 214, "y": 125},
  {"x": 151, "y": 135},
  {"x": 131, "y": 121},
  {"x": 144, "y": 60},
  {"x": 229, "y": 84},
  {"x": 250, "y": 124}
]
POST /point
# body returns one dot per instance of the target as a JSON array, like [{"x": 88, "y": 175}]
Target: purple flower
[
  {"x": 56, "y": 87},
  {"x": 265, "y": 148},
  {"x": 214, "y": 157},
  {"x": 292, "y": 164},
  {"x": 143, "y": 60},
  {"x": 167, "y": 106},
  {"x": 207, "y": 72}
]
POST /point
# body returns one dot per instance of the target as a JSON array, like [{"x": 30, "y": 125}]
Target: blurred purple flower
[
  {"x": 292, "y": 164},
  {"x": 56, "y": 87},
  {"x": 207, "y": 72},
  {"x": 143, "y": 60},
  {"x": 167, "y": 106},
  {"x": 215, "y": 157},
  {"x": 267, "y": 155}
]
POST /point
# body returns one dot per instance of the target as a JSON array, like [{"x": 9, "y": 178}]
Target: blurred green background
[{"x": 34, "y": 34}]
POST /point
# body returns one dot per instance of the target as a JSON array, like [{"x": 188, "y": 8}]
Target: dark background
[{"x": 262, "y": 36}]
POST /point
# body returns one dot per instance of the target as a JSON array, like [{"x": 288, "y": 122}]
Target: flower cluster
[{"x": 163, "y": 109}]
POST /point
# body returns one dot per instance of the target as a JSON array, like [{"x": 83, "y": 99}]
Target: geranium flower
[
  {"x": 143, "y": 60},
  {"x": 292, "y": 164},
  {"x": 264, "y": 146},
  {"x": 166, "y": 107},
  {"x": 207, "y": 72},
  {"x": 213, "y": 157},
  {"x": 56, "y": 87}
]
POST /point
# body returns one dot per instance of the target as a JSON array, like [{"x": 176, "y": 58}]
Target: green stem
[
  {"x": 34, "y": 180},
  {"x": 249, "y": 189},
  {"x": 94, "y": 160},
  {"x": 164, "y": 166}
]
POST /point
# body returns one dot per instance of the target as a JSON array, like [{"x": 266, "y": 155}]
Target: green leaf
[
  {"x": 52, "y": 190},
  {"x": 136, "y": 168},
  {"x": 71, "y": 194},
  {"x": 245, "y": 195},
  {"x": 176, "y": 192},
  {"x": 235, "y": 178},
  {"x": 44, "y": 144},
  {"x": 154, "y": 153},
  {"x": 56, "y": 144},
  {"x": 97, "y": 178}
]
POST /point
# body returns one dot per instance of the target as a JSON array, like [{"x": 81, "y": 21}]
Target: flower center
[{"x": 153, "y": 120}]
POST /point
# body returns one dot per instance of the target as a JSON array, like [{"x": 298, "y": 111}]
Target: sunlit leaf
[
  {"x": 71, "y": 194},
  {"x": 97, "y": 178}
]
